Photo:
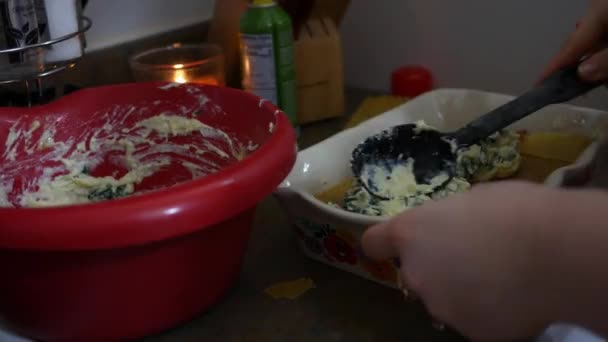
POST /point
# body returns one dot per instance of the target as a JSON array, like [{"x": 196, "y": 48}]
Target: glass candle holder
[{"x": 181, "y": 63}]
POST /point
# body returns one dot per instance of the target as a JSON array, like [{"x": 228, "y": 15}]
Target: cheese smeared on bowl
[
  {"x": 492, "y": 158},
  {"x": 145, "y": 148}
]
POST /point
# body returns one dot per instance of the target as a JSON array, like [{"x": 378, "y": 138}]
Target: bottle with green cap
[{"x": 267, "y": 63}]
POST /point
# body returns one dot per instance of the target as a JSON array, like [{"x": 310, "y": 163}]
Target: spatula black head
[{"x": 385, "y": 150}]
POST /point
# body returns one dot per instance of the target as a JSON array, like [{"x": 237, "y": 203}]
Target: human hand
[
  {"x": 587, "y": 40},
  {"x": 477, "y": 260}
]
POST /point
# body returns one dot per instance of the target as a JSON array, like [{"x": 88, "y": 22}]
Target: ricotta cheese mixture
[
  {"x": 492, "y": 158},
  {"x": 400, "y": 181},
  {"x": 65, "y": 169}
]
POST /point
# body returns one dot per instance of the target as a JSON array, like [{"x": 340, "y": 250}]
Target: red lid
[{"x": 411, "y": 81}]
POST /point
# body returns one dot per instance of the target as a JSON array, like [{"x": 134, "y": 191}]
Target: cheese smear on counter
[{"x": 142, "y": 150}]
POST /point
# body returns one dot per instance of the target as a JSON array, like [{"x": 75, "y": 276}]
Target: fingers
[
  {"x": 384, "y": 241},
  {"x": 390, "y": 239},
  {"x": 595, "y": 68},
  {"x": 377, "y": 242},
  {"x": 585, "y": 39}
]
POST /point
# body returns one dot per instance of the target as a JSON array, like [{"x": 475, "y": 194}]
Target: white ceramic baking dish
[{"x": 331, "y": 235}]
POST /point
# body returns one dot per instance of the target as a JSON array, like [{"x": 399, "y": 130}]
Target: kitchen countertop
[{"x": 342, "y": 307}]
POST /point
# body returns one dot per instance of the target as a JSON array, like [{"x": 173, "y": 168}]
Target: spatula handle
[{"x": 561, "y": 86}]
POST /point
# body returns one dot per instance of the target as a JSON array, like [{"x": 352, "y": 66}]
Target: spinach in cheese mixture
[
  {"x": 492, "y": 158},
  {"x": 134, "y": 148}
]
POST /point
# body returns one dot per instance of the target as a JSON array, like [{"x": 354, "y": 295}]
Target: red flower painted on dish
[{"x": 340, "y": 250}]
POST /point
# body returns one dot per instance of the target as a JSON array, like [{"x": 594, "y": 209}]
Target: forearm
[{"x": 576, "y": 231}]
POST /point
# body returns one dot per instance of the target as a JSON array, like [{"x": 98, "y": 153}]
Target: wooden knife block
[{"x": 319, "y": 71}]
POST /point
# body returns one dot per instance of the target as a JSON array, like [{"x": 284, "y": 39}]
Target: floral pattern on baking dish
[{"x": 339, "y": 246}]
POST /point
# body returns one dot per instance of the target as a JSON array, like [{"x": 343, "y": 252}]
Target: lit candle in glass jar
[
  {"x": 201, "y": 63},
  {"x": 179, "y": 76}
]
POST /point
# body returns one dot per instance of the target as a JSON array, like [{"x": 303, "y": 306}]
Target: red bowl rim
[{"x": 164, "y": 213}]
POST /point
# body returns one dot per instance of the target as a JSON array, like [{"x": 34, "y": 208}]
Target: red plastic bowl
[{"x": 131, "y": 267}]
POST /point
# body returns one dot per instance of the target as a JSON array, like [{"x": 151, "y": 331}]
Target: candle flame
[{"x": 179, "y": 76}]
